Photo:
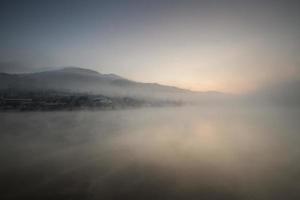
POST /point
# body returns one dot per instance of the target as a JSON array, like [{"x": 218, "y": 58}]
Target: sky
[{"x": 225, "y": 45}]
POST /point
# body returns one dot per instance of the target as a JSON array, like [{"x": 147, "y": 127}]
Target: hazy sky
[{"x": 222, "y": 45}]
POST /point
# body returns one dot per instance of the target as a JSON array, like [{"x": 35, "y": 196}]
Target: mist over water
[{"x": 151, "y": 153}]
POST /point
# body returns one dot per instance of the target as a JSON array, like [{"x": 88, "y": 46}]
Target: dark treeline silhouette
[{"x": 30, "y": 100}]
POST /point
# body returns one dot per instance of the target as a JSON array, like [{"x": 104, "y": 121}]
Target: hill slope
[{"x": 84, "y": 80}]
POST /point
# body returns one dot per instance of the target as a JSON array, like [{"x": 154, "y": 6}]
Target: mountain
[{"x": 85, "y": 80}]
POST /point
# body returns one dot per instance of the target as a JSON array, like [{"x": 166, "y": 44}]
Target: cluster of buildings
[{"x": 54, "y": 102}]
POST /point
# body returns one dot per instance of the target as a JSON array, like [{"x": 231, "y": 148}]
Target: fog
[{"x": 152, "y": 153}]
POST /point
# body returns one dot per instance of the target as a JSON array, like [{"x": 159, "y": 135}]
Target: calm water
[{"x": 164, "y": 153}]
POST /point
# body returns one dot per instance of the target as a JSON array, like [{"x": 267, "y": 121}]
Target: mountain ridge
[{"x": 78, "y": 79}]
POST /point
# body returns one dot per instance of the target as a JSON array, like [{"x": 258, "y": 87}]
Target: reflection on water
[{"x": 173, "y": 153}]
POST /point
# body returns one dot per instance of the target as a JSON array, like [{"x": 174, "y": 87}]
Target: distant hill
[{"x": 85, "y": 80}]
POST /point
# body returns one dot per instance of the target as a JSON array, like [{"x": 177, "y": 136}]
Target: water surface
[{"x": 162, "y": 153}]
